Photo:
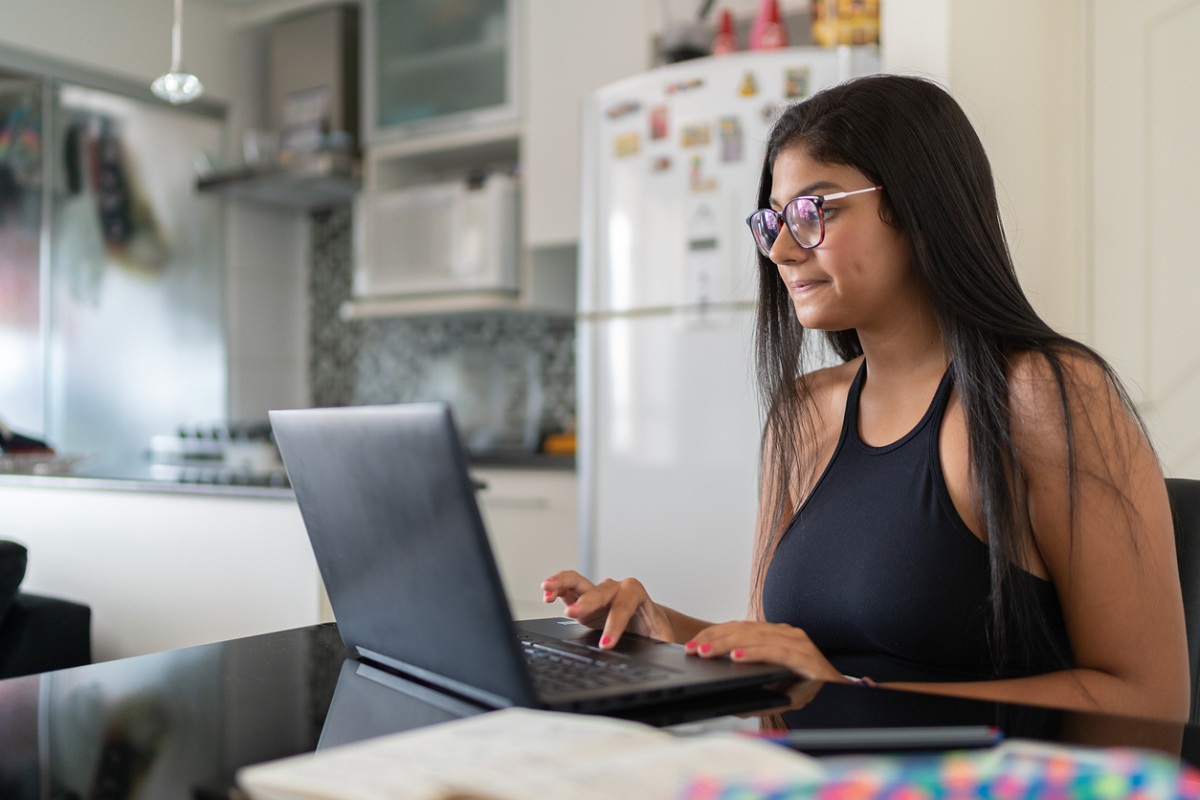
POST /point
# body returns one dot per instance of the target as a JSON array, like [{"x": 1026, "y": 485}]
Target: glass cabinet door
[{"x": 433, "y": 65}]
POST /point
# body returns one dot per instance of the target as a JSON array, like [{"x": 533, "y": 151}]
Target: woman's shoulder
[
  {"x": 1041, "y": 380},
  {"x": 1068, "y": 394},
  {"x": 826, "y": 389}
]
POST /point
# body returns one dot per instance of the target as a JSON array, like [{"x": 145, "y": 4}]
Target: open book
[
  {"x": 522, "y": 753},
  {"x": 519, "y": 753}
]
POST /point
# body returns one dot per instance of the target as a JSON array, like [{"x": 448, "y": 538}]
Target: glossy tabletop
[{"x": 179, "y": 724}]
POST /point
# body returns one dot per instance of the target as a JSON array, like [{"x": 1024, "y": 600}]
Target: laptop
[{"x": 390, "y": 510}]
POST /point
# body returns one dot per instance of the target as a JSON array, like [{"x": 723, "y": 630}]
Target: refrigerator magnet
[
  {"x": 660, "y": 127},
  {"x": 660, "y": 164},
  {"x": 730, "y": 131},
  {"x": 795, "y": 83},
  {"x": 698, "y": 180},
  {"x": 623, "y": 109},
  {"x": 696, "y": 135},
  {"x": 684, "y": 86},
  {"x": 749, "y": 86},
  {"x": 627, "y": 144}
]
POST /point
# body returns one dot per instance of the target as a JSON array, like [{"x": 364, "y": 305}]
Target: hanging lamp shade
[{"x": 176, "y": 85}]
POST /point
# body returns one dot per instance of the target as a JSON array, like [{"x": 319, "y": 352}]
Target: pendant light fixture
[{"x": 177, "y": 86}]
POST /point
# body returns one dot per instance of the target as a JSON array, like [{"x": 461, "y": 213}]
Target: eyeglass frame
[{"x": 781, "y": 216}]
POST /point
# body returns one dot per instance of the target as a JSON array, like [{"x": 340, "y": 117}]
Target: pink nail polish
[
  {"x": 736, "y": 654},
  {"x": 605, "y": 640},
  {"x": 691, "y": 645},
  {"x": 704, "y": 648}
]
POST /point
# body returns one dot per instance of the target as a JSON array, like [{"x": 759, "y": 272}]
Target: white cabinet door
[
  {"x": 531, "y": 520},
  {"x": 163, "y": 570},
  {"x": 572, "y": 47}
]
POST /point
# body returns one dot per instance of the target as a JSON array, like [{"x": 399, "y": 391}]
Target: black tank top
[{"x": 881, "y": 572}]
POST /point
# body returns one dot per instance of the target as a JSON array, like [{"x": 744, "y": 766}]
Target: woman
[{"x": 968, "y": 504}]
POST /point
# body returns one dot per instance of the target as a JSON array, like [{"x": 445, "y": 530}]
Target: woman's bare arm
[{"x": 1112, "y": 561}]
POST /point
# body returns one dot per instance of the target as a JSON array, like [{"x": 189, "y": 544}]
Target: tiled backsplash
[{"x": 510, "y": 377}]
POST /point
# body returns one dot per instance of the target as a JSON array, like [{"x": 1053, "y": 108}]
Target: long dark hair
[{"x": 909, "y": 136}]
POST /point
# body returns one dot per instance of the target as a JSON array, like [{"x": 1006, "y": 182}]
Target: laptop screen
[{"x": 402, "y": 549}]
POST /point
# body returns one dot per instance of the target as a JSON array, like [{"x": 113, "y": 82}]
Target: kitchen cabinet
[
  {"x": 166, "y": 569},
  {"x": 432, "y": 66},
  {"x": 174, "y": 568},
  {"x": 572, "y": 47},
  {"x": 531, "y": 516},
  {"x": 564, "y": 49}
]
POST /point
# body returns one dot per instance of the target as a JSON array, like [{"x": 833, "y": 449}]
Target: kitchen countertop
[
  {"x": 518, "y": 460},
  {"x": 144, "y": 476},
  {"x": 140, "y": 478}
]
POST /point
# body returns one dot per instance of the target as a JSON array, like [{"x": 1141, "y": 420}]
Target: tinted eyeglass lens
[
  {"x": 803, "y": 217},
  {"x": 765, "y": 225}
]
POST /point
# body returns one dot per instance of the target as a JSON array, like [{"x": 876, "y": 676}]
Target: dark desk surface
[{"x": 179, "y": 724}]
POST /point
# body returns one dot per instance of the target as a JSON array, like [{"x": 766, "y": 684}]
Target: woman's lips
[{"x": 803, "y": 287}]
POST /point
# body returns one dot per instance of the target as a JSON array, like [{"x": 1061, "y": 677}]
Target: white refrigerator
[{"x": 668, "y": 420}]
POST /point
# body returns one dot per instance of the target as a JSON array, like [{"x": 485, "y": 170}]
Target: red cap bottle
[
  {"x": 768, "y": 32},
  {"x": 725, "y": 41}
]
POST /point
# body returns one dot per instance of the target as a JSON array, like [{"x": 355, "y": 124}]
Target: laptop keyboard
[{"x": 565, "y": 667}]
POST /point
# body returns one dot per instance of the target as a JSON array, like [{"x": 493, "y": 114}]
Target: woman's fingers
[
  {"x": 764, "y": 642},
  {"x": 630, "y": 608},
  {"x": 568, "y": 585},
  {"x": 609, "y": 606}
]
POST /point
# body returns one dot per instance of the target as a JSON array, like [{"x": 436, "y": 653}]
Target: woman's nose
[{"x": 785, "y": 248}]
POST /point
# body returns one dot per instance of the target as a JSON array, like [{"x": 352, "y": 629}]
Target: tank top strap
[
  {"x": 941, "y": 398},
  {"x": 933, "y": 414},
  {"x": 850, "y": 419}
]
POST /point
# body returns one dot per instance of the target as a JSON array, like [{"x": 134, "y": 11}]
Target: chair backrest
[{"x": 1185, "y": 512}]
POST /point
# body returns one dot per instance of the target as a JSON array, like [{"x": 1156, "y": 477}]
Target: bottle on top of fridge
[
  {"x": 725, "y": 41},
  {"x": 767, "y": 32}
]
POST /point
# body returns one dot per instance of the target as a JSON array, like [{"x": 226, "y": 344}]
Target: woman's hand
[
  {"x": 765, "y": 642},
  {"x": 612, "y": 607}
]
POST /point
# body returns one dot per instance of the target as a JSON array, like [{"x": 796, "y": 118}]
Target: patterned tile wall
[{"x": 510, "y": 377}]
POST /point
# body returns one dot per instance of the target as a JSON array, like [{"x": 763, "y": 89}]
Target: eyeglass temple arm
[{"x": 840, "y": 195}]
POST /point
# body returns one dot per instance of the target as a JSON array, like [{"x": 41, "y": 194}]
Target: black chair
[
  {"x": 1185, "y": 512},
  {"x": 38, "y": 633}
]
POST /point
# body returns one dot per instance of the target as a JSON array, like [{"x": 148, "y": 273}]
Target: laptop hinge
[{"x": 441, "y": 681}]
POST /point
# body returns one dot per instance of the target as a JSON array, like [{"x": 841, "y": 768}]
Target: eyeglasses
[{"x": 805, "y": 218}]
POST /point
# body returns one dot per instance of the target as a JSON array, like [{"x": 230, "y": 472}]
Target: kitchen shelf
[
  {"x": 440, "y": 156},
  {"x": 317, "y": 180}
]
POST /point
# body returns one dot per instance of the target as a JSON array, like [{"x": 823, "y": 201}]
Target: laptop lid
[
  {"x": 390, "y": 510},
  {"x": 391, "y": 513}
]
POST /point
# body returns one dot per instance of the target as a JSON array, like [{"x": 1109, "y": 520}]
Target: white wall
[
  {"x": 1018, "y": 70},
  {"x": 266, "y": 309},
  {"x": 130, "y": 39}
]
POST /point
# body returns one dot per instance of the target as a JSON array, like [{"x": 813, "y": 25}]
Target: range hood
[{"x": 312, "y": 115}]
